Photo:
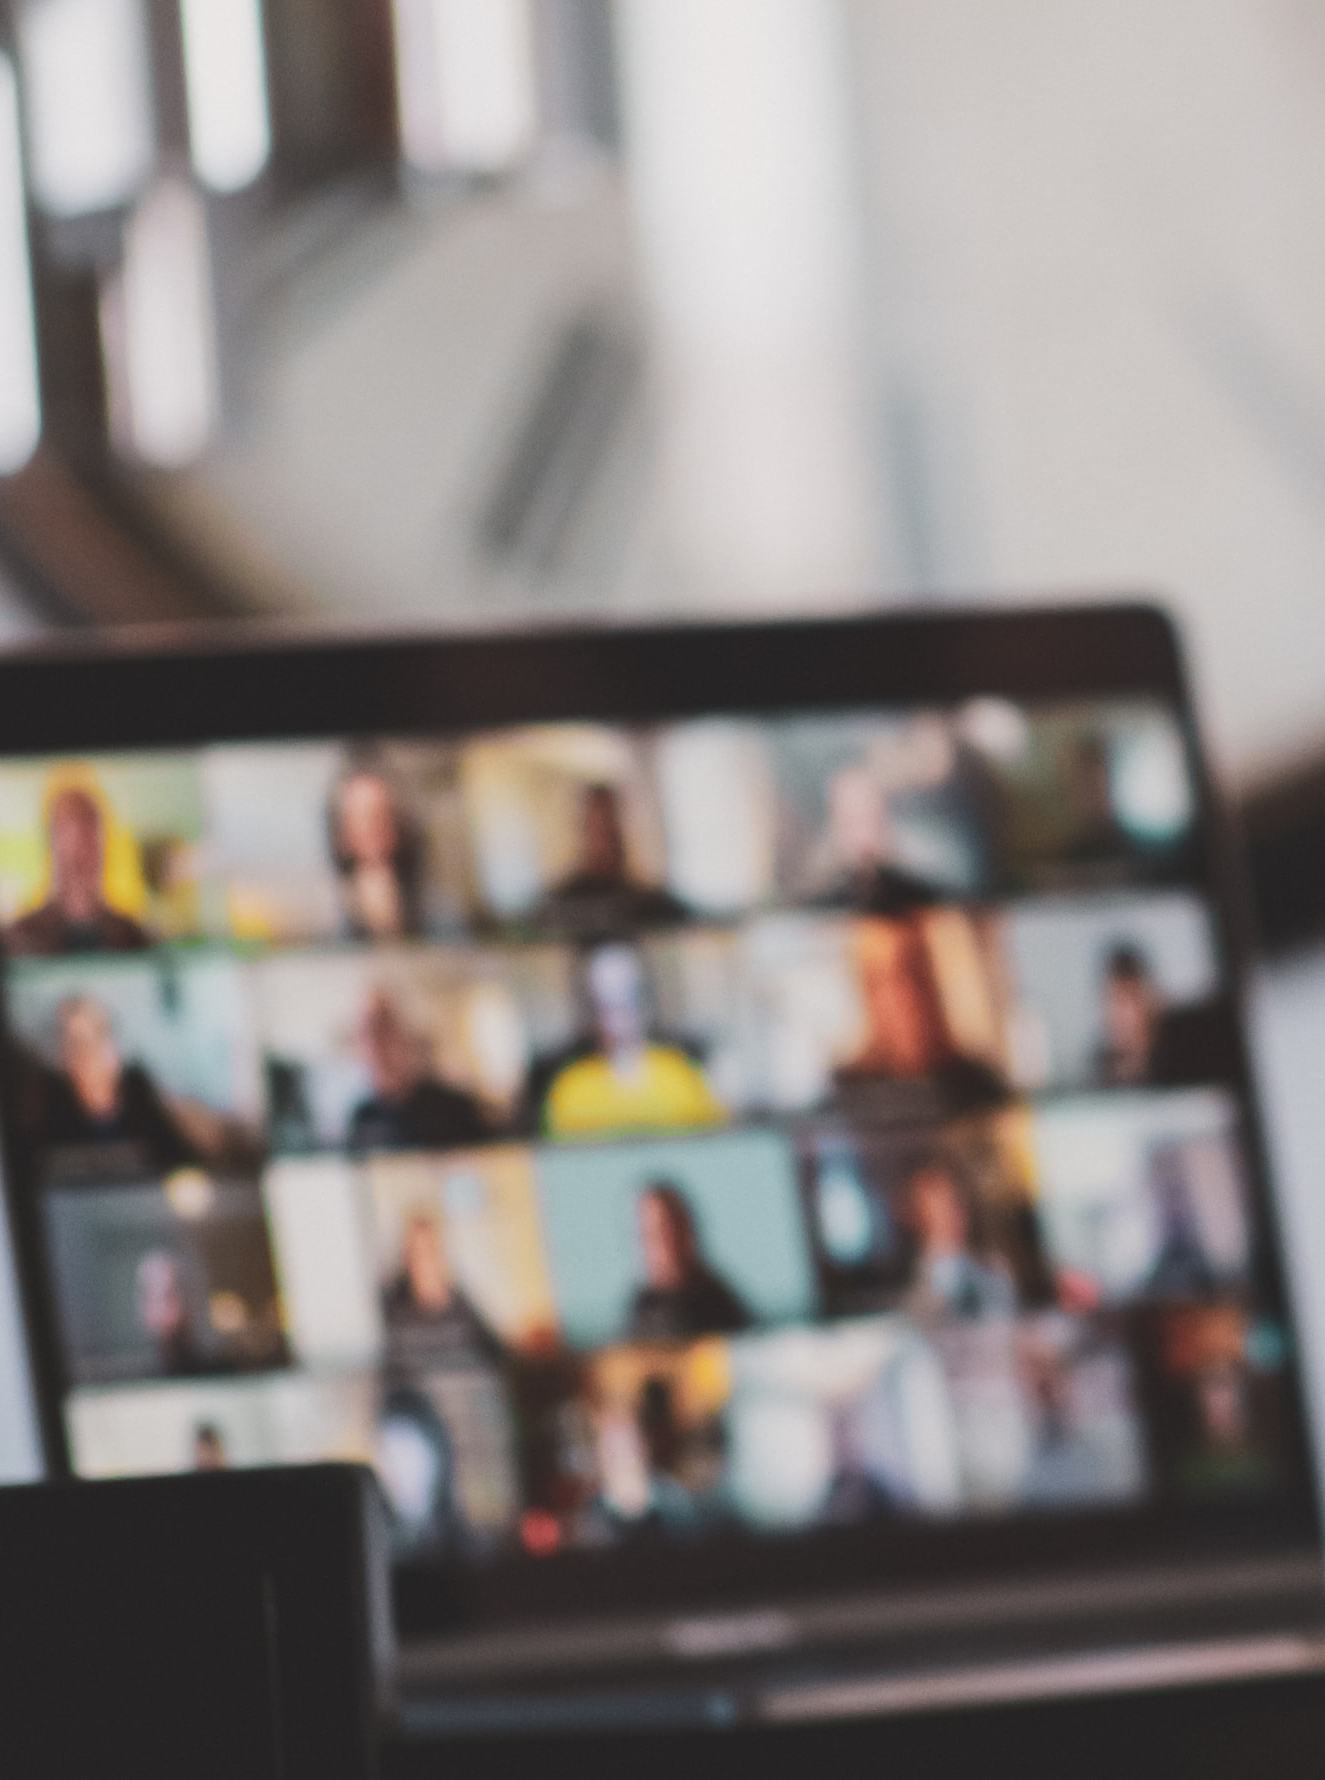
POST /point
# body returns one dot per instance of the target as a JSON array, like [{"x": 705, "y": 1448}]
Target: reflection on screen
[{"x": 622, "y": 1134}]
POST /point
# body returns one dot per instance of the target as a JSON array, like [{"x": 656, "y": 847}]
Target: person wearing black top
[
  {"x": 1182, "y": 1267},
  {"x": 862, "y": 869},
  {"x": 415, "y": 1460},
  {"x": 600, "y": 896},
  {"x": 426, "y": 1311},
  {"x": 1131, "y": 1006},
  {"x": 408, "y": 1109},
  {"x": 909, "y": 1068},
  {"x": 75, "y": 916},
  {"x": 96, "y": 1100},
  {"x": 682, "y": 1294},
  {"x": 1146, "y": 1042}
]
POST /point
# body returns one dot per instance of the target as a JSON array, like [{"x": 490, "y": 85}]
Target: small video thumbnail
[
  {"x": 1143, "y": 1194},
  {"x": 835, "y": 1426},
  {"x": 449, "y": 1047},
  {"x": 1115, "y": 992},
  {"x": 444, "y": 1451},
  {"x": 879, "y": 815},
  {"x": 317, "y": 841},
  {"x": 568, "y": 832},
  {"x": 656, "y": 1042},
  {"x": 1087, "y": 794},
  {"x": 624, "y": 1446},
  {"x": 283, "y": 1418},
  {"x": 164, "y": 1280},
  {"x": 136, "y": 1066},
  {"x": 402, "y": 1049},
  {"x": 673, "y": 1238},
  {"x": 1044, "y": 1411},
  {"x": 1219, "y": 1398},
  {"x": 893, "y": 1020},
  {"x": 442, "y": 1446},
  {"x": 99, "y": 855},
  {"x": 938, "y": 1222},
  {"x": 460, "y": 1269}
]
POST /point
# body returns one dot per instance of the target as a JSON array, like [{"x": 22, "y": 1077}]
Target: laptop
[{"x": 746, "y": 1128}]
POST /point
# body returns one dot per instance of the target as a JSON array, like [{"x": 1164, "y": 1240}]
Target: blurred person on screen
[
  {"x": 1182, "y": 1266},
  {"x": 600, "y": 895},
  {"x": 682, "y": 1294},
  {"x": 1145, "y": 1041},
  {"x": 1065, "y": 1462},
  {"x": 1223, "y": 1451},
  {"x": 95, "y": 1098},
  {"x": 638, "y": 1454},
  {"x": 1131, "y": 1005},
  {"x": 949, "y": 1276},
  {"x": 626, "y": 1079},
  {"x": 414, "y": 1456},
  {"x": 424, "y": 1303},
  {"x": 408, "y": 1108},
  {"x": 907, "y": 1041},
  {"x": 377, "y": 853},
  {"x": 164, "y": 1316},
  {"x": 1086, "y": 776},
  {"x": 858, "y": 866},
  {"x": 209, "y": 1448},
  {"x": 855, "y": 1490},
  {"x": 75, "y": 916}
]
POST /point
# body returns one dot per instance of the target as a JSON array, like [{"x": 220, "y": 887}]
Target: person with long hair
[
  {"x": 682, "y": 1293},
  {"x": 908, "y": 1061},
  {"x": 376, "y": 850}
]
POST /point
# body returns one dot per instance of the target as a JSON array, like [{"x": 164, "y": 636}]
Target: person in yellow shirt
[{"x": 628, "y": 1082}]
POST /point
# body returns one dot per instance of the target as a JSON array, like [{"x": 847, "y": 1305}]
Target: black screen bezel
[{"x": 195, "y": 691}]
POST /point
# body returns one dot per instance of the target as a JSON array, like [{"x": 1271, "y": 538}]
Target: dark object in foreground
[
  {"x": 1283, "y": 826},
  {"x": 226, "y": 1624}
]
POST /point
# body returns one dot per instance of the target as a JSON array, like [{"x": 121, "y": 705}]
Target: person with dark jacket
[
  {"x": 910, "y": 1067},
  {"x": 408, "y": 1108},
  {"x": 97, "y": 1100},
  {"x": 682, "y": 1294},
  {"x": 601, "y": 896}
]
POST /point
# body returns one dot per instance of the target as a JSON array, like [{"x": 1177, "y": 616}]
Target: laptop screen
[{"x": 636, "y": 1140}]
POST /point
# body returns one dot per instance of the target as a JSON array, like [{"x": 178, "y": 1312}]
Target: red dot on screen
[{"x": 540, "y": 1532}]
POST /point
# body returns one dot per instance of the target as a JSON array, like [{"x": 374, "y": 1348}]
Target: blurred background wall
[{"x": 397, "y": 312}]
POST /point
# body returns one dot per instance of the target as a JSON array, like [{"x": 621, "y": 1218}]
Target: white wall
[
  {"x": 1098, "y": 258},
  {"x": 1289, "y": 1027}
]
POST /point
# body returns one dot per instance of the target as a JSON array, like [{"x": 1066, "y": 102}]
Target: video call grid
[{"x": 858, "y": 806}]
